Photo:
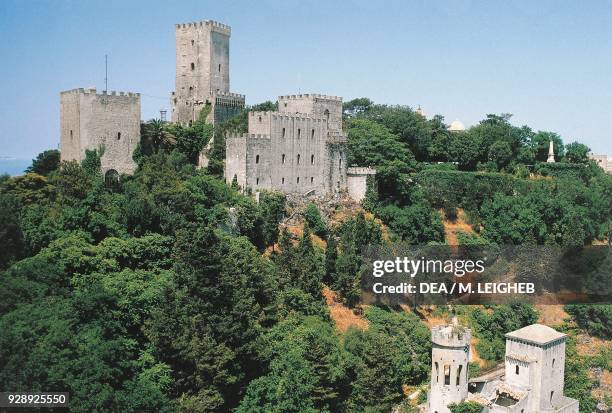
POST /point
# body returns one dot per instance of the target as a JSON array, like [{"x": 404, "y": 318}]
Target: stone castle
[
  {"x": 531, "y": 380},
  {"x": 299, "y": 149}
]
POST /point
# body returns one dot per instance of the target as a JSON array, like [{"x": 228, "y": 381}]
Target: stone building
[
  {"x": 449, "y": 373},
  {"x": 602, "y": 161},
  {"x": 531, "y": 380},
  {"x": 107, "y": 121},
  {"x": 202, "y": 75},
  {"x": 300, "y": 149}
]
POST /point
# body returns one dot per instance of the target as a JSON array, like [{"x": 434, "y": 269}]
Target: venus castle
[
  {"x": 299, "y": 149},
  {"x": 531, "y": 380}
]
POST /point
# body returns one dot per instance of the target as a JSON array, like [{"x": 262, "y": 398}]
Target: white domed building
[{"x": 456, "y": 126}]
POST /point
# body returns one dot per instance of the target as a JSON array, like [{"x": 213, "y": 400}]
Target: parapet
[
  {"x": 247, "y": 136},
  {"x": 310, "y": 96},
  {"x": 229, "y": 98},
  {"x": 360, "y": 170},
  {"x": 289, "y": 115},
  {"x": 213, "y": 25},
  {"x": 92, "y": 91},
  {"x": 451, "y": 336}
]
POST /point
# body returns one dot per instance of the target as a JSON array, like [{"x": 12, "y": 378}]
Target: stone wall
[
  {"x": 91, "y": 120},
  {"x": 357, "y": 181}
]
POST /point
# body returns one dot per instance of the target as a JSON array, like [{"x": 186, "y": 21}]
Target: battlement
[
  {"x": 229, "y": 99},
  {"x": 451, "y": 336},
  {"x": 234, "y": 135},
  {"x": 92, "y": 91},
  {"x": 213, "y": 25},
  {"x": 230, "y": 95},
  {"x": 310, "y": 96},
  {"x": 360, "y": 170},
  {"x": 289, "y": 115}
]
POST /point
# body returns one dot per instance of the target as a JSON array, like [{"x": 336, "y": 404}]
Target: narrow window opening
[
  {"x": 193, "y": 66},
  {"x": 192, "y": 42},
  {"x": 340, "y": 164},
  {"x": 312, "y": 134},
  {"x": 312, "y": 159},
  {"x": 190, "y": 90},
  {"x": 70, "y": 133},
  {"x": 256, "y": 158},
  {"x": 551, "y": 395},
  {"x": 311, "y": 179},
  {"x": 118, "y": 135},
  {"x": 283, "y": 134},
  {"x": 298, "y": 180},
  {"x": 283, "y": 159},
  {"x": 299, "y": 133},
  {"x": 260, "y": 119},
  {"x": 459, "y": 375},
  {"x": 257, "y": 181},
  {"x": 219, "y": 67},
  {"x": 326, "y": 113},
  {"x": 447, "y": 375},
  {"x": 298, "y": 159},
  {"x": 437, "y": 372},
  {"x": 553, "y": 363},
  {"x": 285, "y": 104},
  {"x": 283, "y": 181},
  {"x": 516, "y": 369}
]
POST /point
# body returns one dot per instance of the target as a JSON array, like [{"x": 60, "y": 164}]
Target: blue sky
[{"x": 547, "y": 62}]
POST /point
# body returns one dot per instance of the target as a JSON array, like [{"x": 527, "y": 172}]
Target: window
[
  {"x": 256, "y": 158},
  {"x": 192, "y": 66},
  {"x": 192, "y": 42},
  {"x": 516, "y": 370},
  {"x": 326, "y": 113},
  {"x": 298, "y": 159},
  {"x": 312, "y": 134},
  {"x": 283, "y": 159},
  {"x": 70, "y": 133},
  {"x": 437, "y": 373},
  {"x": 459, "y": 375},
  {"x": 312, "y": 159},
  {"x": 552, "y": 393},
  {"x": 283, "y": 135},
  {"x": 260, "y": 119},
  {"x": 118, "y": 135},
  {"x": 190, "y": 90},
  {"x": 299, "y": 133},
  {"x": 298, "y": 180},
  {"x": 283, "y": 180},
  {"x": 219, "y": 67},
  {"x": 286, "y": 106},
  {"x": 257, "y": 181},
  {"x": 311, "y": 179},
  {"x": 553, "y": 363},
  {"x": 447, "y": 375},
  {"x": 340, "y": 164}
]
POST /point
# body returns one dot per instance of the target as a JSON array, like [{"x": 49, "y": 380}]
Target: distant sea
[{"x": 13, "y": 166}]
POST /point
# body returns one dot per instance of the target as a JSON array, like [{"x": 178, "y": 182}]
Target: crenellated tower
[{"x": 449, "y": 366}]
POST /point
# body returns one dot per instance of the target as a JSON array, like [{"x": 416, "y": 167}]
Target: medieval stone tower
[
  {"x": 300, "y": 149},
  {"x": 449, "y": 366},
  {"x": 107, "y": 121},
  {"x": 202, "y": 73}
]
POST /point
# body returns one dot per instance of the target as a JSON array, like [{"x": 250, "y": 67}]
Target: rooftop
[{"x": 536, "y": 334}]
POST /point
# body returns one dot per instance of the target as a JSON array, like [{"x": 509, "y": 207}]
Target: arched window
[
  {"x": 283, "y": 159},
  {"x": 447, "y": 375},
  {"x": 256, "y": 158},
  {"x": 190, "y": 91},
  {"x": 326, "y": 113},
  {"x": 312, "y": 134},
  {"x": 260, "y": 119},
  {"x": 298, "y": 159},
  {"x": 437, "y": 372},
  {"x": 312, "y": 159},
  {"x": 111, "y": 177},
  {"x": 516, "y": 370},
  {"x": 299, "y": 133},
  {"x": 192, "y": 66},
  {"x": 459, "y": 374}
]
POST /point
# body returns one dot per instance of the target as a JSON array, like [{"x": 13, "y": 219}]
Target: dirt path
[
  {"x": 451, "y": 228},
  {"x": 343, "y": 316}
]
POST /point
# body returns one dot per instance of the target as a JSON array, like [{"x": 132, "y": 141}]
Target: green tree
[
  {"x": 577, "y": 153},
  {"x": 45, "y": 163},
  {"x": 466, "y": 407},
  {"x": 314, "y": 220}
]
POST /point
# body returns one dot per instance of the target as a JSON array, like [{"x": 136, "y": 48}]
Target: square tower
[
  {"x": 91, "y": 120},
  {"x": 202, "y": 73},
  {"x": 535, "y": 362},
  {"x": 329, "y": 107}
]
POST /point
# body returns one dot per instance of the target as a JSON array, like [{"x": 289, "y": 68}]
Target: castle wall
[
  {"x": 357, "y": 181},
  {"x": 90, "y": 121},
  {"x": 329, "y": 107},
  {"x": 235, "y": 161}
]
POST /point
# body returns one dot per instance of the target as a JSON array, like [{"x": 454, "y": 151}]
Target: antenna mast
[{"x": 106, "y": 73}]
